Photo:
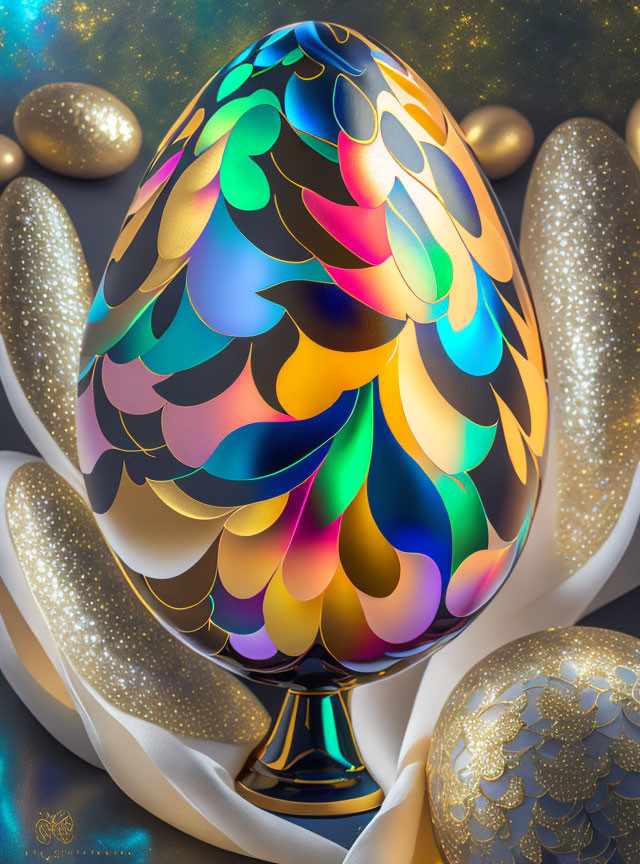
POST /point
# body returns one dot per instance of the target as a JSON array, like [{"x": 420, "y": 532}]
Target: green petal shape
[{"x": 243, "y": 183}]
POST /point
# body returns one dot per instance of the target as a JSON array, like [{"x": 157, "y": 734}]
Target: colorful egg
[{"x": 312, "y": 401}]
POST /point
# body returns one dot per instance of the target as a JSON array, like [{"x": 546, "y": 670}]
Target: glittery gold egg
[
  {"x": 580, "y": 241},
  {"x": 535, "y": 758},
  {"x": 11, "y": 159},
  {"x": 77, "y": 129},
  {"x": 501, "y": 138},
  {"x": 633, "y": 131},
  {"x": 106, "y": 634},
  {"x": 45, "y": 295}
]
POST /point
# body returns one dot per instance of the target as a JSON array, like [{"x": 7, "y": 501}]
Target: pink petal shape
[
  {"x": 478, "y": 578},
  {"x": 92, "y": 443},
  {"x": 312, "y": 557},
  {"x": 363, "y": 230},
  {"x": 149, "y": 186},
  {"x": 193, "y": 432},
  {"x": 129, "y": 386},
  {"x": 409, "y": 610}
]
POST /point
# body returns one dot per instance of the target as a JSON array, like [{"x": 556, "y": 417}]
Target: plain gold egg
[
  {"x": 633, "y": 131},
  {"x": 77, "y": 129},
  {"x": 501, "y": 138},
  {"x": 11, "y": 159}
]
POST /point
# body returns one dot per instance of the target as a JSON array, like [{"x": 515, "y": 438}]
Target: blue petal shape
[
  {"x": 305, "y": 104},
  {"x": 262, "y": 449},
  {"x": 477, "y": 348},
  {"x": 226, "y": 272},
  {"x": 404, "y": 502},
  {"x": 186, "y": 342},
  {"x": 453, "y": 187}
]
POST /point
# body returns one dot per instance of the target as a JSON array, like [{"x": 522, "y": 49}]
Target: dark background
[{"x": 551, "y": 60}]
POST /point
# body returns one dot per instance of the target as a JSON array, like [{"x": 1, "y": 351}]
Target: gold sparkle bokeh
[{"x": 548, "y": 58}]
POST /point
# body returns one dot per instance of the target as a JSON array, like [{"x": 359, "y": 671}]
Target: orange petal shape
[
  {"x": 247, "y": 562},
  {"x": 314, "y": 377},
  {"x": 478, "y": 578}
]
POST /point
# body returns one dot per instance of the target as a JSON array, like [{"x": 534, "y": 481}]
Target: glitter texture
[
  {"x": 77, "y": 129},
  {"x": 580, "y": 246},
  {"x": 106, "y": 634},
  {"x": 537, "y": 753},
  {"x": 45, "y": 294}
]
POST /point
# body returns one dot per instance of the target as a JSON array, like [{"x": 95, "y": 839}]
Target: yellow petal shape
[
  {"x": 257, "y": 517},
  {"x": 367, "y": 557},
  {"x": 174, "y": 497},
  {"x": 536, "y": 390},
  {"x": 247, "y": 562},
  {"x": 343, "y": 626},
  {"x": 449, "y": 439},
  {"x": 513, "y": 438},
  {"x": 186, "y": 212},
  {"x": 153, "y": 537},
  {"x": 292, "y": 624},
  {"x": 314, "y": 377}
]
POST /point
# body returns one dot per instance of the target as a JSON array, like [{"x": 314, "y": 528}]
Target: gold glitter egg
[
  {"x": 11, "y": 159},
  {"x": 501, "y": 138},
  {"x": 633, "y": 131},
  {"x": 107, "y": 635},
  {"x": 77, "y": 129},
  {"x": 45, "y": 295},
  {"x": 580, "y": 244},
  {"x": 535, "y": 758}
]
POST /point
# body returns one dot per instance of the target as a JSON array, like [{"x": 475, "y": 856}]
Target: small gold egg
[
  {"x": 11, "y": 159},
  {"x": 633, "y": 131},
  {"x": 501, "y": 138},
  {"x": 77, "y": 129}
]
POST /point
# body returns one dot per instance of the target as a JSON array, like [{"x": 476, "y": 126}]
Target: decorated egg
[
  {"x": 312, "y": 400},
  {"x": 535, "y": 758}
]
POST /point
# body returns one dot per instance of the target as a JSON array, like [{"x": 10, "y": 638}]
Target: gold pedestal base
[{"x": 310, "y": 765}]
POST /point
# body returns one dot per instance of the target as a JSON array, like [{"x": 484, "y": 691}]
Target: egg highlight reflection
[{"x": 312, "y": 401}]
